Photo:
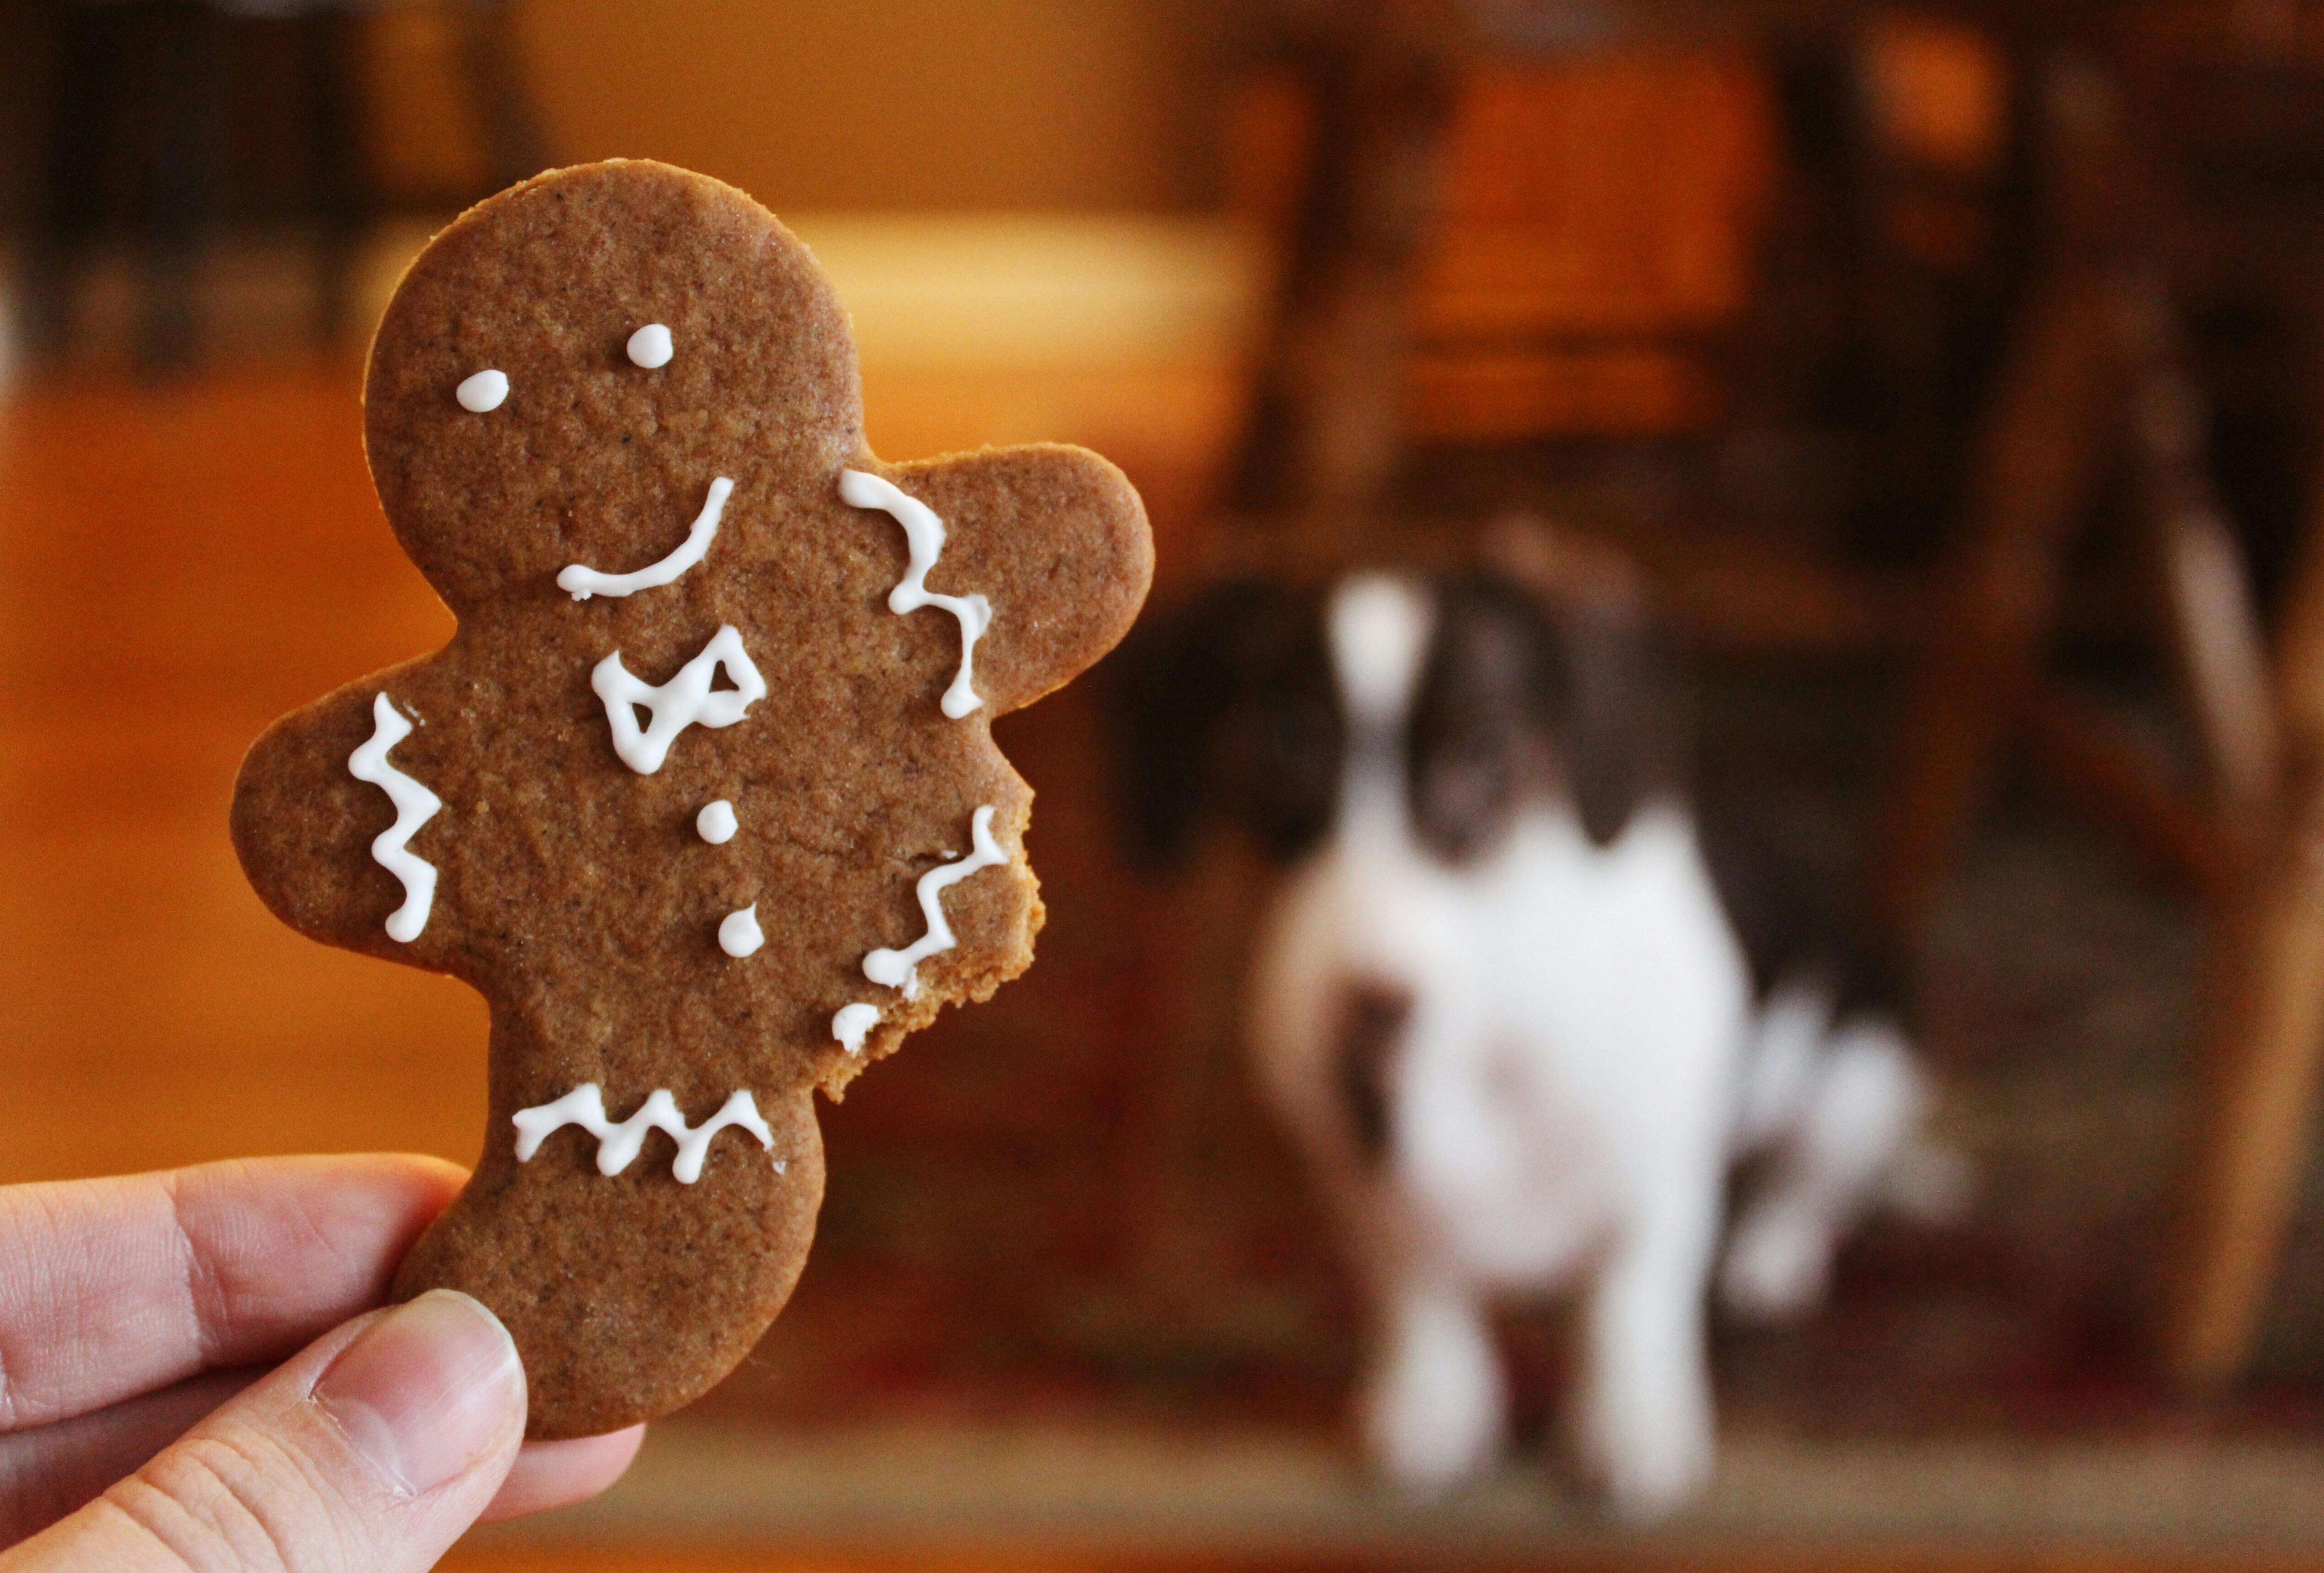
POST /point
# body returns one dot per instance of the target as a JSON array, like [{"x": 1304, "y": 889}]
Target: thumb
[{"x": 373, "y": 1449}]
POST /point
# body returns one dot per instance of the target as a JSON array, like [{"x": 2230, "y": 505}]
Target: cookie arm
[
  {"x": 304, "y": 826},
  {"x": 1057, "y": 539}
]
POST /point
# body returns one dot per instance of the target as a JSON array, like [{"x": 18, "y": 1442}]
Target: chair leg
[
  {"x": 184, "y": 166},
  {"x": 514, "y": 146},
  {"x": 329, "y": 43},
  {"x": 2262, "y": 1053},
  {"x": 2038, "y": 462},
  {"x": 2216, "y": 640},
  {"x": 82, "y": 112},
  {"x": 1324, "y": 433}
]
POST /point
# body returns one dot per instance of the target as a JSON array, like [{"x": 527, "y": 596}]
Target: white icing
[
  {"x": 853, "y": 1023},
  {"x": 482, "y": 392},
  {"x": 716, "y": 823},
  {"x": 924, "y": 534},
  {"x": 684, "y": 701},
  {"x": 582, "y": 582},
  {"x": 901, "y": 969},
  {"x": 739, "y": 933},
  {"x": 650, "y": 347},
  {"x": 415, "y": 805},
  {"x": 618, "y": 1145}
]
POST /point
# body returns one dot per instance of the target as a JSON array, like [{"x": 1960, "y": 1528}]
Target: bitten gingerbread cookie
[{"x": 702, "y": 795}]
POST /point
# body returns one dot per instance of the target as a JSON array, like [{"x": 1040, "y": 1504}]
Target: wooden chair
[
  {"x": 2096, "y": 377},
  {"x": 1489, "y": 244},
  {"x": 139, "y": 100}
]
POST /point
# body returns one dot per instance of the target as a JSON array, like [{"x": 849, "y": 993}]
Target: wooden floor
[{"x": 1816, "y": 1562}]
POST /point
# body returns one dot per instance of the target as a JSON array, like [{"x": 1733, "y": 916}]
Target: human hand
[{"x": 140, "y": 1428}]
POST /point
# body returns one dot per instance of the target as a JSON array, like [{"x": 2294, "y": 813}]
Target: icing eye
[
  {"x": 483, "y": 391},
  {"x": 650, "y": 347}
]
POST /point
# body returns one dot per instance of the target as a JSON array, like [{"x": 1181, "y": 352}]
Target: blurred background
[{"x": 1954, "y": 370}]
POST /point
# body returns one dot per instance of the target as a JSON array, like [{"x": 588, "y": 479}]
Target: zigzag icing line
[
  {"x": 415, "y": 805},
  {"x": 618, "y": 1144},
  {"x": 924, "y": 534},
  {"x": 901, "y": 968}
]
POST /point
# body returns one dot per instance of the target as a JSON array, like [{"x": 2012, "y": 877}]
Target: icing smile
[{"x": 582, "y": 582}]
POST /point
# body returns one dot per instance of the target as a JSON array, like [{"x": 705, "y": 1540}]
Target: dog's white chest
[
  {"x": 1574, "y": 1016},
  {"x": 1595, "y": 1035}
]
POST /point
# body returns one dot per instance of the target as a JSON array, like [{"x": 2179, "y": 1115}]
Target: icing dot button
[
  {"x": 650, "y": 347},
  {"x": 738, "y": 935},
  {"x": 482, "y": 392},
  {"x": 716, "y": 823}
]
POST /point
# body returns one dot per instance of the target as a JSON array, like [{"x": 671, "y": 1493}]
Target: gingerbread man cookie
[{"x": 702, "y": 796}]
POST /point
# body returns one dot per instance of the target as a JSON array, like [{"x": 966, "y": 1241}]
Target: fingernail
[{"x": 426, "y": 1389}]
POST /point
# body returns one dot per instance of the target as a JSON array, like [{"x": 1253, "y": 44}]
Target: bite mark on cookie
[{"x": 901, "y": 968}]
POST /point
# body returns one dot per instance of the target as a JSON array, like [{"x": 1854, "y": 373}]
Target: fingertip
[
  {"x": 548, "y": 1475},
  {"x": 429, "y": 1389}
]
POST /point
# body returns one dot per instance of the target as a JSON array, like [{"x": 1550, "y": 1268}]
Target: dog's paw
[
  {"x": 1427, "y": 1442},
  {"x": 1779, "y": 1266},
  {"x": 1432, "y": 1413},
  {"x": 1647, "y": 1459},
  {"x": 1930, "y": 1182}
]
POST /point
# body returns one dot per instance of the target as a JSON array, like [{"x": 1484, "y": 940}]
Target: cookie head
[{"x": 554, "y": 368}]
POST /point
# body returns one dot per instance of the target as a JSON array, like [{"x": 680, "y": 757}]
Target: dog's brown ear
[
  {"x": 1224, "y": 706},
  {"x": 1609, "y": 686},
  {"x": 1171, "y": 686},
  {"x": 1621, "y": 727}
]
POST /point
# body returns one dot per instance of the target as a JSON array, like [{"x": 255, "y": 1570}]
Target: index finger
[{"x": 113, "y": 1287}]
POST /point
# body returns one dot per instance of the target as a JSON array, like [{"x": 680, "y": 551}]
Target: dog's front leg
[
  {"x": 1643, "y": 1420},
  {"x": 1433, "y": 1406}
]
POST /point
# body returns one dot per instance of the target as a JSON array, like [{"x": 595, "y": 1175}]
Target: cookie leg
[{"x": 629, "y": 1294}]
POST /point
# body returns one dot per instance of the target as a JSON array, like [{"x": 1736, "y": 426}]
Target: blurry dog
[{"x": 1517, "y": 1003}]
